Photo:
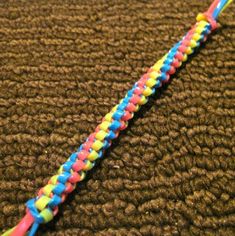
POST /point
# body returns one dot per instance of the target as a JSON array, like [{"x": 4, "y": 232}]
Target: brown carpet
[{"x": 64, "y": 64}]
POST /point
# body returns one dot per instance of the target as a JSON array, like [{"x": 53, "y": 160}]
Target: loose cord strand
[
  {"x": 226, "y": 5},
  {"x": 213, "y": 6},
  {"x": 44, "y": 207},
  {"x": 221, "y": 6}
]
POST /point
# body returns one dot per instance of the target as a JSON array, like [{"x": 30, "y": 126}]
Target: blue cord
[
  {"x": 33, "y": 229},
  {"x": 219, "y": 8}
]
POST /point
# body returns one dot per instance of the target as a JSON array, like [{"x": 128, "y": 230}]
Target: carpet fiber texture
[{"x": 64, "y": 64}]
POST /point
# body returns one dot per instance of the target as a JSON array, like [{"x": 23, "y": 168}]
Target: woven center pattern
[{"x": 64, "y": 64}]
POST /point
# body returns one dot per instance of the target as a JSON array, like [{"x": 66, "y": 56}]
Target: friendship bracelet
[{"x": 44, "y": 207}]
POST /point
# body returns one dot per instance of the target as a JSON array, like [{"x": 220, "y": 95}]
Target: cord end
[
  {"x": 8, "y": 232},
  {"x": 226, "y": 5},
  {"x": 221, "y": 6},
  {"x": 22, "y": 228},
  {"x": 211, "y": 15}
]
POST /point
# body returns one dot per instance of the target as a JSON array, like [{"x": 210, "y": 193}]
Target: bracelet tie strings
[{"x": 44, "y": 207}]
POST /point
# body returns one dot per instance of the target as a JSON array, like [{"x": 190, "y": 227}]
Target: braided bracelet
[{"x": 44, "y": 207}]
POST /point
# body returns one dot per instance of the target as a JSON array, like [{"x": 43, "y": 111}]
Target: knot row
[
  {"x": 206, "y": 16},
  {"x": 45, "y": 206}
]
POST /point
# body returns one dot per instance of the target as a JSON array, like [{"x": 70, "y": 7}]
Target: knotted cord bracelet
[{"x": 44, "y": 207}]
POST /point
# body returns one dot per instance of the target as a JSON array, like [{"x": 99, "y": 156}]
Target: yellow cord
[
  {"x": 8, "y": 232},
  {"x": 226, "y": 5}
]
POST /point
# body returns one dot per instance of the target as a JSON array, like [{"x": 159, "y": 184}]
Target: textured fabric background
[{"x": 64, "y": 64}]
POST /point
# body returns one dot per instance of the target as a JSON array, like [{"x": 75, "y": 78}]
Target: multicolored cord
[{"x": 44, "y": 207}]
